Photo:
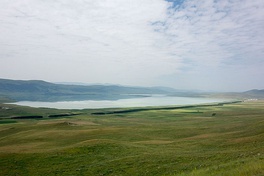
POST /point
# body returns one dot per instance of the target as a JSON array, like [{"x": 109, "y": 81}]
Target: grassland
[{"x": 210, "y": 140}]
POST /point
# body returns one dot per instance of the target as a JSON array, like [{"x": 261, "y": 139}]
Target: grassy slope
[{"x": 158, "y": 142}]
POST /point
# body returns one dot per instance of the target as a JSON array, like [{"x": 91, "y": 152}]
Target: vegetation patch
[
  {"x": 27, "y": 117},
  {"x": 63, "y": 115},
  {"x": 162, "y": 108}
]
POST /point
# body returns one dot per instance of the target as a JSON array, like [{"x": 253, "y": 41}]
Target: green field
[{"x": 210, "y": 140}]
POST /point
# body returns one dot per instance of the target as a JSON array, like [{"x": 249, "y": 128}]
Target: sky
[{"x": 185, "y": 44}]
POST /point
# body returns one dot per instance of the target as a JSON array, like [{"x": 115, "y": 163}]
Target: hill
[
  {"x": 255, "y": 93},
  {"x": 251, "y": 94},
  {"x": 35, "y": 90}
]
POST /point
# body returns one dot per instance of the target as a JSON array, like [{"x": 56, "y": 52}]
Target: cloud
[
  {"x": 215, "y": 32},
  {"x": 131, "y": 42},
  {"x": 104, "y": 39},
  {"x": 219, "y": 42}
]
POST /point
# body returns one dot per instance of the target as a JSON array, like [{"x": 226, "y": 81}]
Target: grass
[
  {"x": 154, "y": 142},
  {"x": 7, "y": 121}
]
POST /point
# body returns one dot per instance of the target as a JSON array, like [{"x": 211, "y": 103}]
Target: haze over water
[{"x": 121, "y": 103}]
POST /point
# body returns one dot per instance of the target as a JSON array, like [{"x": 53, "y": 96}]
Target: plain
[{"x": 199, "y": 140}]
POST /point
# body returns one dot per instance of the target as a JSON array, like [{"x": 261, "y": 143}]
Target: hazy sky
[{"x": 185, "y": 44}]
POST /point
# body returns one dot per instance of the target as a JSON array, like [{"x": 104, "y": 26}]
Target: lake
[{"x": 157, "y": 100}]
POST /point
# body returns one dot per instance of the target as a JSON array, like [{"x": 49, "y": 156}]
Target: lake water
[{"x": 132, "y": 102}]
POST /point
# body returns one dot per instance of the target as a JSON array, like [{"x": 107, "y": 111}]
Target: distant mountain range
[{"x": 35, "y": 90}]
